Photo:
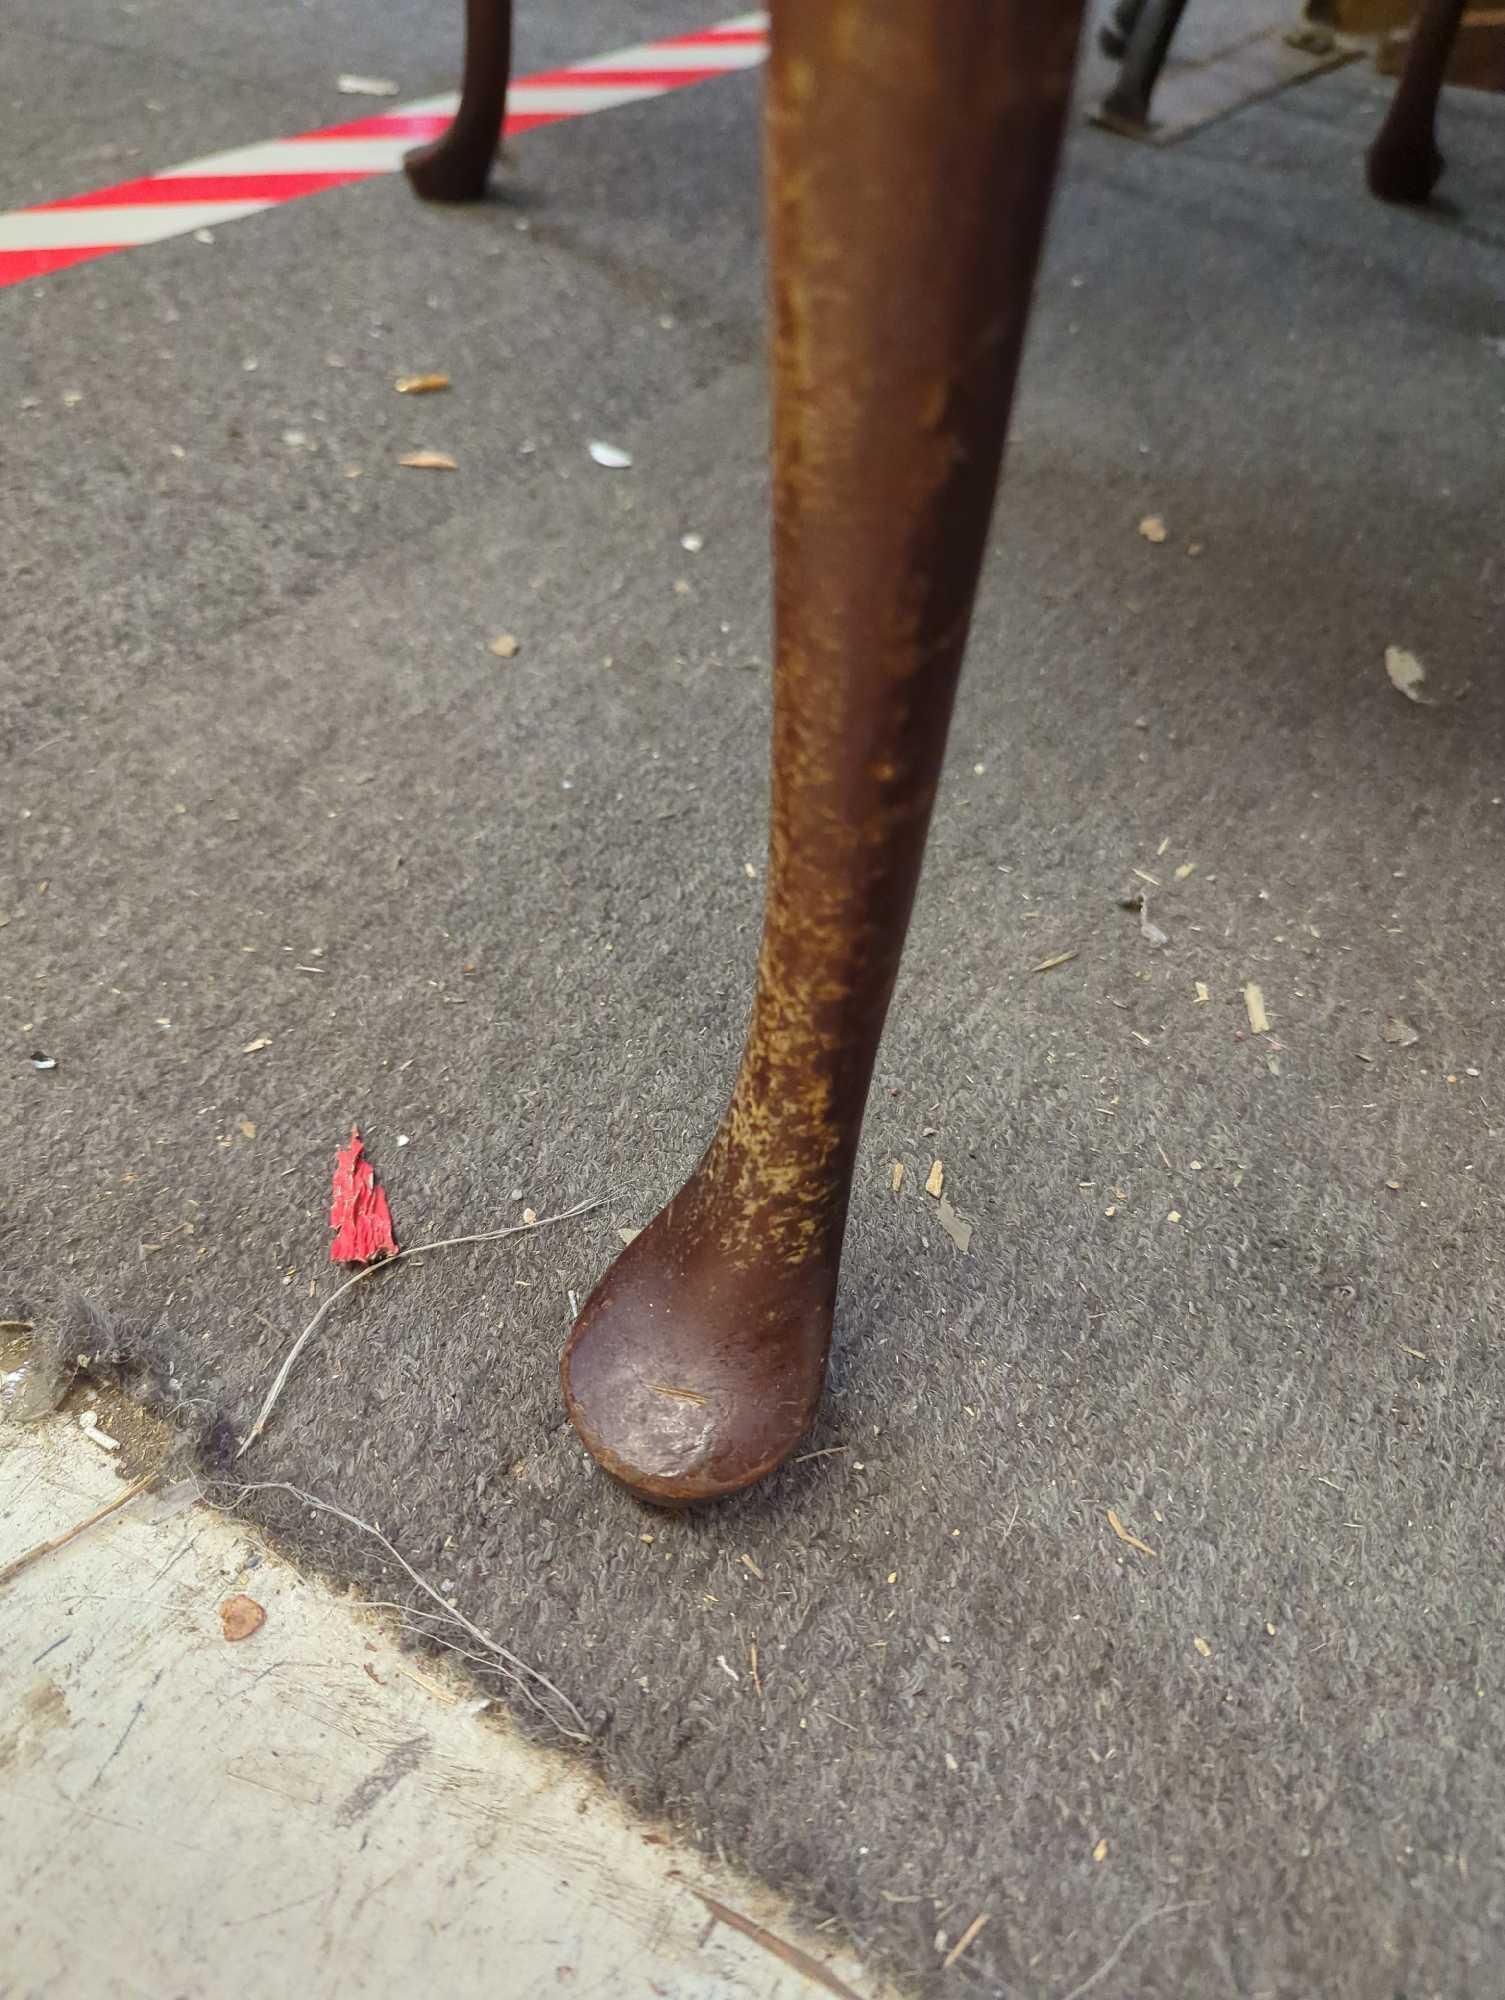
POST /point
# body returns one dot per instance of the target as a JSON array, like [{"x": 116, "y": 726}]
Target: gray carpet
[{"x": 1242, "y": 1291}]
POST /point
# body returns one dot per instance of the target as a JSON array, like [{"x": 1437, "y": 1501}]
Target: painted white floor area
[{"x": 309, "y": 1810}]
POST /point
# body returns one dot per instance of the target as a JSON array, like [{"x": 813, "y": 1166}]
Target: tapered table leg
[{"x": 911, "y": 151}]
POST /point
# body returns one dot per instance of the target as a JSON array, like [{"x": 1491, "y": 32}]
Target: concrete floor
[{"x": 312, "y": 1805}]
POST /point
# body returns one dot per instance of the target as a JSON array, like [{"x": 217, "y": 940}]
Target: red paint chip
[{"x": 358, "y": 1213}]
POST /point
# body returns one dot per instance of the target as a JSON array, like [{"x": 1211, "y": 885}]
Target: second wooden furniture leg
[
  {"x": 1114, "y": 34},
  {"x": 1404, "y": 163},
  {"x": 1127, "y": 104},
  {"x": 911, "y": 150},
  {"x": 457, "y": 166}
]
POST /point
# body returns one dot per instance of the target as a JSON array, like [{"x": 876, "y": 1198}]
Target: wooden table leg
[
  {"x": 1404, "y": 163},
  {"x": 911, "y": 153},
  {"x": 457, "y": 166}
]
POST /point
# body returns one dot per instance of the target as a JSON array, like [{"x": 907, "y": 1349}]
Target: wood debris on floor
[
  {"x": 1407, "y": 675},
  {"x": 241, "y": 1617}
]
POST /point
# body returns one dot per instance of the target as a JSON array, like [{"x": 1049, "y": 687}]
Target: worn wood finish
[
  {"x": 457, "y": 166},
  {"x": 1404, "y": 163},
  {"x": 911, "y": 152}
]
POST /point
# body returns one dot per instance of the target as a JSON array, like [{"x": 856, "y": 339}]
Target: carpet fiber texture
[{"x": 1143, "y": 1593}]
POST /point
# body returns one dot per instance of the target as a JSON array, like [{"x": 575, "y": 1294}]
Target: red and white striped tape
[{"x": 224, "y": 186}]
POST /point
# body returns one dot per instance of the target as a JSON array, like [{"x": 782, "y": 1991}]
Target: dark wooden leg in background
[
  {"x": 1113, "y": 36},
  {"x": 911, "y": 150},
  {"x": 1152, "y": 30},
  {"x": 458, "y": 166},
  {"x": 1404, "y": 163}
]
